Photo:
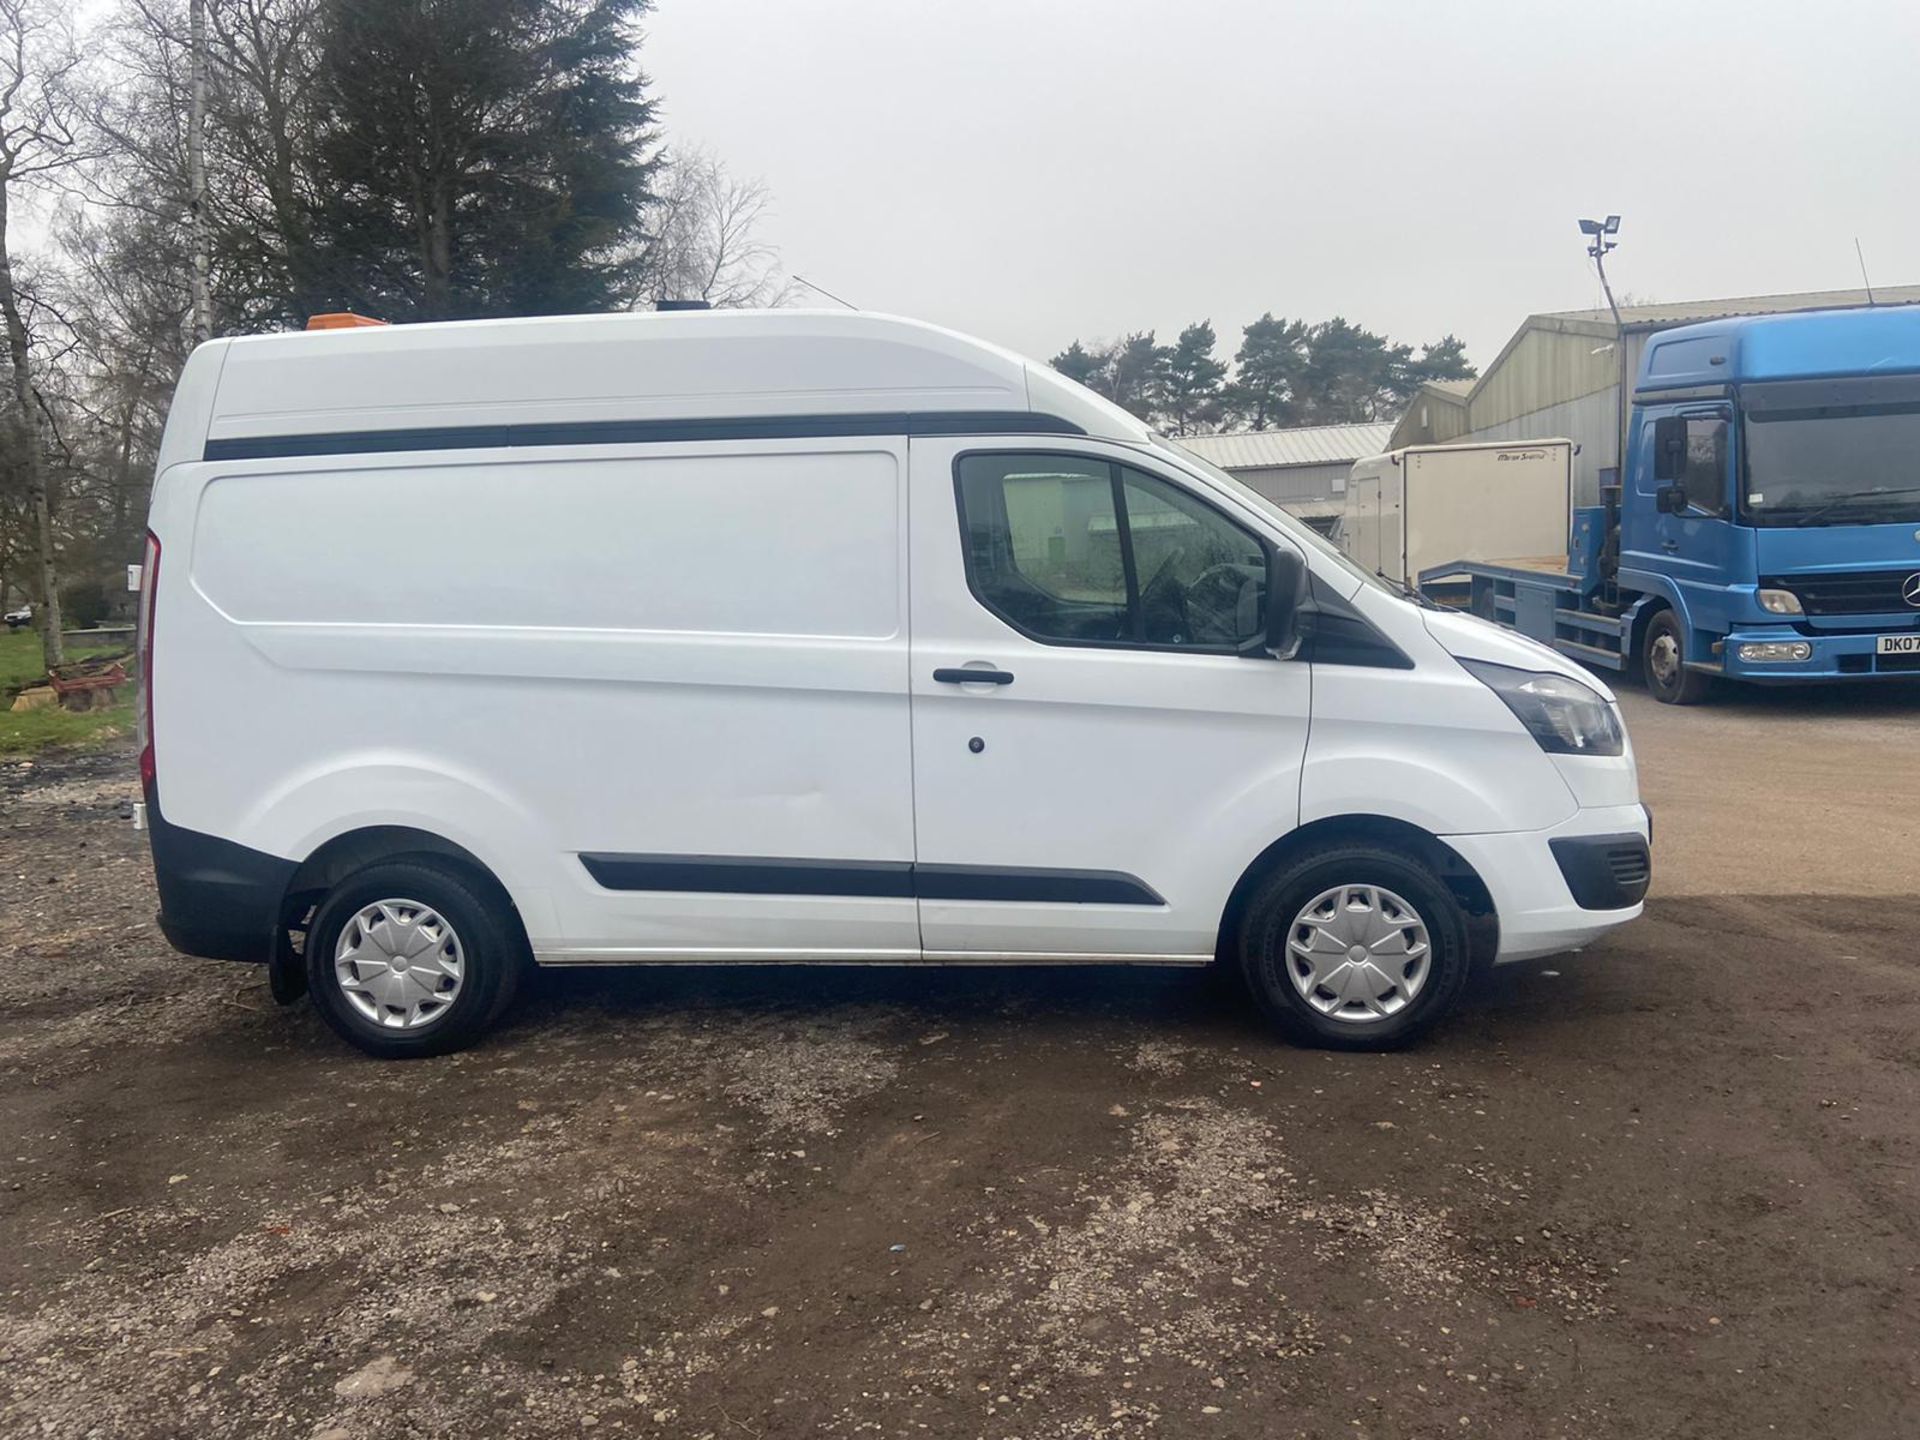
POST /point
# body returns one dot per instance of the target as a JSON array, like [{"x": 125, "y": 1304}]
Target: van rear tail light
[{"x": 149, "y": 590}]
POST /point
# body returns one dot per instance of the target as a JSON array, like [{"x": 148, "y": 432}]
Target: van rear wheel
[
  {"x": 1356, "y": 948},
  {"x": 411, "y": 958}
]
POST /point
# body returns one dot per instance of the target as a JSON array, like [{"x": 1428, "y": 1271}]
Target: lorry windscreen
[{"x": 1832, "y": 452}]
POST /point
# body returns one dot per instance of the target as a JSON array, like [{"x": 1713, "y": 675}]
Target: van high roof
[{"x": 577, "y": 379}]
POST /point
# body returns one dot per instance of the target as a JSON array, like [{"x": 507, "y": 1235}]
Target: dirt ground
[{"x": 1670, "y": 1187}]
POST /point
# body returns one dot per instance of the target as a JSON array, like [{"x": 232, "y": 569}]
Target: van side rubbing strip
[
  {"x": 726, "y": 875},
  {"x": 640, "y": 432},
  {"x": 729, "y": 875}
]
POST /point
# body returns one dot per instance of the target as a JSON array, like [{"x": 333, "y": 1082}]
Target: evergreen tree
[
  {"x": 1267, "y": 372},
  {"x": 1139, "y": 374},
  {"x": 1444, "y": 359},
  {"x": 1084, "y": 366},
  {"x": 1194, "y": 382},
  {"x": 1350, "y": 374},
  {"x": 483, "y": 157},
  {"x": 1286, "y": 372},
  {"x": 1132, "y": 373}
]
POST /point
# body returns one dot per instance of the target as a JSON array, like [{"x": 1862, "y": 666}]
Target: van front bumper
[{"x": 1533, "y": 876}]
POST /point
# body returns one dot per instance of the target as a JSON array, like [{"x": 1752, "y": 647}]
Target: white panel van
[{"x": 813, "y": 637}]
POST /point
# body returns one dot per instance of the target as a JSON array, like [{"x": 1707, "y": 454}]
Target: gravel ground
[{"x": 1668, "y": 1187}]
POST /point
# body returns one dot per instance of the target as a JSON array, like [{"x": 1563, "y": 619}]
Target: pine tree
[
  {"x": 1139, "y": 375},
  {"x": 1194, "y": 382},
  {"x": 483, "y": 157},
  {"x": 1132, "y": 373},
  {"x": 1444, "y": 359},
  {"x": 1083, "y": 366},
  {"x": 1267, "y": 372}
]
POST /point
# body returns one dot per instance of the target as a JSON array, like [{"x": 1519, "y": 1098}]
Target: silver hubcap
[
  {"x": 1664, "y": 656},
  {"x": 1358, "y": 953},
  {"x": 399, "y": 964}
]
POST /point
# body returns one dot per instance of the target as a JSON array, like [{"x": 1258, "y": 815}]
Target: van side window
[
  {"x": 1705, "y": 480},
  {"x": 1203, "y": 579},
  {"x": 1076, "y": 551}
]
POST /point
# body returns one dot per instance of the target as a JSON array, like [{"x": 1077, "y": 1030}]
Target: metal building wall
[
  {"x": 1545, "y": 368},
  {"x": 1589, "y": 422},
  {"x": 1298, "y": 482}
]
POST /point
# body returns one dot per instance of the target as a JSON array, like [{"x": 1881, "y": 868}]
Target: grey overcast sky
[{"x": 1036, "y": 170}]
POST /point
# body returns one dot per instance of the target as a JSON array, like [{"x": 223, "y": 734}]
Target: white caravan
[
  {"x": 1411, "y": 510},
  {"x": 823, "y": 638}
]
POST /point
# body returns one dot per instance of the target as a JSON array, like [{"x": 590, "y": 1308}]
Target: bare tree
[
  {"x": 39, "y": 135},
  {"x": 255, "y": 197},
  {"x": 197, "y": 166},
  {"x": 706, "y": 242}
]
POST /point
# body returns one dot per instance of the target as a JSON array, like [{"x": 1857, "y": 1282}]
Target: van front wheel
[
  {"x": 410, "y": 958},
  {"x": 1355, "y": 948}
]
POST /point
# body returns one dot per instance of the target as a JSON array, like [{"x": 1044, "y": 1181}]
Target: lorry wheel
[
  {"x": 1356, "y": 948},
  {"x": 1663, "y": 658},
  {"x": 411, "y": 957}
]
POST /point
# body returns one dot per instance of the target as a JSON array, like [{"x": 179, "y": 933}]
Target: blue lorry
[{"x": 1766, "y": 525}]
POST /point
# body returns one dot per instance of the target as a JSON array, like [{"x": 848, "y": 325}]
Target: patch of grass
[
  {"x": 21, "y": 662},
  {"x": 31, "y": 731}
]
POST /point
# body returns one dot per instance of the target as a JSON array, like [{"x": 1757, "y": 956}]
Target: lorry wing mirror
[
  {"x": 1670, "y": 500},
  {"x": 1669, "y": 447},
  {"x": 1287, "y": 603}
]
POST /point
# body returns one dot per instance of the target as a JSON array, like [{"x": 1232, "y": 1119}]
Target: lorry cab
[
  {"x": 815, "y": 638},
  {"x": 1771, "y": 503}
]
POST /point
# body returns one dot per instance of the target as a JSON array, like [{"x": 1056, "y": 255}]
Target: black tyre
[
  {"x": 1359, "y": 947},
  {"x": 412, "y": 957},
  {"x": 1663, "y": 660}
]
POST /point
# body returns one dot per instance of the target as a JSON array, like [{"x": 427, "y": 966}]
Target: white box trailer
[{"x": 1426, "y": 505}]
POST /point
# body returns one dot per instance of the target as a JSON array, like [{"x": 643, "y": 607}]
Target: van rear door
[{"x": 1099, "y": 787}]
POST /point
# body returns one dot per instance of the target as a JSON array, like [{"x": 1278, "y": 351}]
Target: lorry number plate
[{"x": 1899, "y": 645}]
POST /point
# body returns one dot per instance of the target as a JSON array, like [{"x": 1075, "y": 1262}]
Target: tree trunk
[
  {"x": 439, "y": 252},
  {"x": 32, "y": 454},
  {"x": 197, "y": 168}
]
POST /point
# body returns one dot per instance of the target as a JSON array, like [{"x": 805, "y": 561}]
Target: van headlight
[
  {"x": 1566, "y": 717},
  {"x": 1779, "y": 602}
]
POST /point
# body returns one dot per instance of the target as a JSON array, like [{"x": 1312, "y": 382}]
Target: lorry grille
[{"x": 1864, "y": 592}]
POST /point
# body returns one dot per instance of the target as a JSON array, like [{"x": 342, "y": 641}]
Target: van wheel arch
[
  {"x": 375, "y": 844},
  {"x": 1446, "y": 863}
]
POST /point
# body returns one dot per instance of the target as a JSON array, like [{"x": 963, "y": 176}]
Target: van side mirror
[
  {"x": 1287, "y": 603},
  {"x": 1670, "y": 447},
  {"x": 1670, "y": 500}
]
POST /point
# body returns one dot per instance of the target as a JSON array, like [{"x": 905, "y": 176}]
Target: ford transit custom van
[{"x": 749, "y": 637}]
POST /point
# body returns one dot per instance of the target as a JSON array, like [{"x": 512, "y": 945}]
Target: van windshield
[{"x": 1304, "y": 535}]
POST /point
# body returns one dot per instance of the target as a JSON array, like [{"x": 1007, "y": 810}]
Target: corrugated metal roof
[
  {"x": 1274, "y": 449},
  {"x": 1686, "y": 312},
  {"x": 1458, "y": 388}
]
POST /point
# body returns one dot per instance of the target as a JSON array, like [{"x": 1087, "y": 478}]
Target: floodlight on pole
[{"x": 1599, "y": 231}]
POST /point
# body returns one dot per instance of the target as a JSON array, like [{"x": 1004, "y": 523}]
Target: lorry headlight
[
  {"x": 1566, "y": 717},
  {"x": 1774, "y": 652},
  {"x": 1779, "y": 602}
]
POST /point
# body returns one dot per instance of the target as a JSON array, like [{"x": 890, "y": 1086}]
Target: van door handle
[
  {"x": 1670, "y": 546},
  {"x": 949, "y": 675}
]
